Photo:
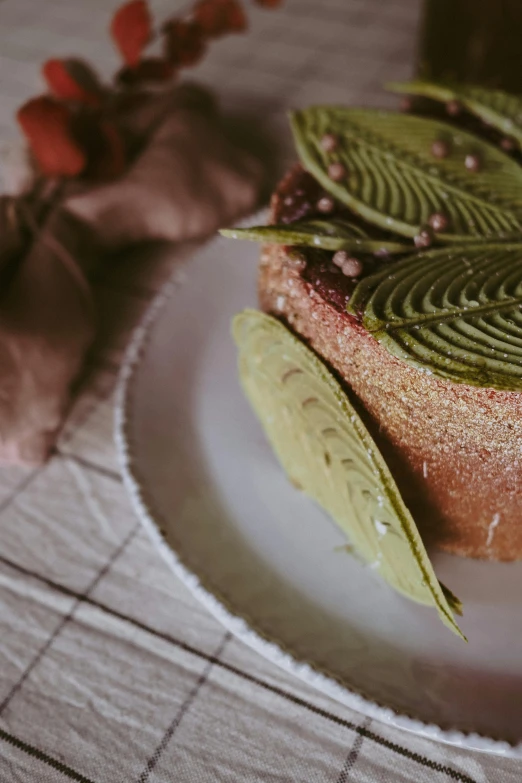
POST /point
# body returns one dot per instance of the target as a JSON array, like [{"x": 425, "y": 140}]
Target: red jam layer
[{"x": 297, "y": 198}]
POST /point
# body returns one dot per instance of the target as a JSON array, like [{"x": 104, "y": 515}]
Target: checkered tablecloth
[{"x": 110, "y": 672}]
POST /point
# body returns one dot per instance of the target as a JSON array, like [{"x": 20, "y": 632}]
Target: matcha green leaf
[
  {"x": 327, "y": 451},
  {"x": 334, "y": 234},
  {"x": 499, "y": 109},
  {"x": 392, "y": 179},
  {"x": 455, "y": 311},
  {"x": 455, "y": 603}
]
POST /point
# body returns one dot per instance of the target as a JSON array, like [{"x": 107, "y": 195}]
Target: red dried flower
[
  {"x": 185, "y": 42},
  {"x": 72, "y": 80},
  {"x": 218, "y": 17},
  {"x": 150, "y": 69},
  {"x": 48, "y": 127},
  {"x": 131, "y": 30}
]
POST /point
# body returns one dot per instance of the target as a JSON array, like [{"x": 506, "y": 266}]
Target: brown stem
[{"x": 59, "y": 250}]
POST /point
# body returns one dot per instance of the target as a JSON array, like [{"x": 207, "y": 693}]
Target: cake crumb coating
[{"x": 455, "y": 450}]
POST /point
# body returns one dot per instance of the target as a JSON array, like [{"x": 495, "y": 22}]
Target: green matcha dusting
[
  {"x": 327, "y": 451},
  {"x": 418, "y": 183}
]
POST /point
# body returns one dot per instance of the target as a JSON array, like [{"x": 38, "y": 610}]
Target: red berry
[
  {"x": 473, "y": 162},
  {"x": 438, "y": 221},
  {"x": 336, "y": 171},
  {"x": 440, "y": 149},
  {"x": 329, "y": 142},
  {"x": 325, "y": 204},
  {"x": 424, "y": 238}
]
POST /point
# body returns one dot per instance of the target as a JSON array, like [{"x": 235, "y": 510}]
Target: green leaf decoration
[
  {"x": 499, "y": 109},
  {"x": 455, "y": 603},
  {"x": 395, "y": 182},
  {"x": 325, "y": 234},
  {"x": 327, "y": 451},
  {"x": 455, "y": 311}
]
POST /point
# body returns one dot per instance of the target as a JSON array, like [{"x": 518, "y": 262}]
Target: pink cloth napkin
[{"x": 187, "y": 180}]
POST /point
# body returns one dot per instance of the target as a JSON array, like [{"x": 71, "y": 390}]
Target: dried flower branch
[{"x": 74, "y": 131}]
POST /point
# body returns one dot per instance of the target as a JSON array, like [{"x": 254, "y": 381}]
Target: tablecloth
[{"x": 110, "y": 671}]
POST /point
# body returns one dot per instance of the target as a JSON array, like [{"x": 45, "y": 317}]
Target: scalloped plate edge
[{"x": 236, "y": 624}]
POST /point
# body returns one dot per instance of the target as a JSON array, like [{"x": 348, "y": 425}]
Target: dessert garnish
[
  {"x": 457, "y": 314},
  {"x": 499, "y": 109},
  {"x": 449, "y": 302},
  {"x": 327, "y": 451},
  {"x": 394, "y": 181},
  {"x": 422, "y": 248},
  {"x": 333, "y": 234}
]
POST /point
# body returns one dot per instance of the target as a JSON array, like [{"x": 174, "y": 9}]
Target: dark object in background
[{"x": 474, "y": 41}]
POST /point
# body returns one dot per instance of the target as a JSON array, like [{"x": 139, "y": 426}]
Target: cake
[{"x": 394, "y": 251}]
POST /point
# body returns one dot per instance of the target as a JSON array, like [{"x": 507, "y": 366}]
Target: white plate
[{"x": 263, "y": 558}]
